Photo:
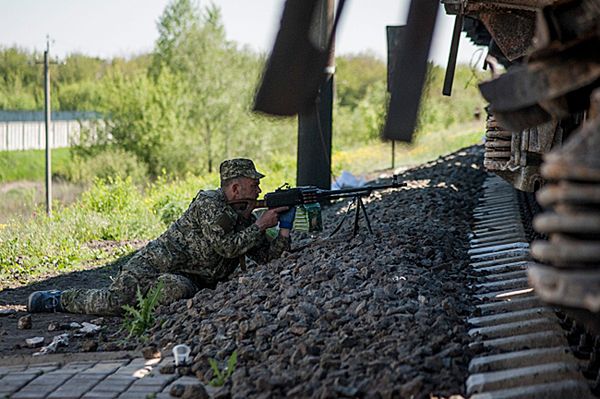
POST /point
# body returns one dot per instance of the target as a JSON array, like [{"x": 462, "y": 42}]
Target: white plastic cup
[{"x": 181, "y": 353}]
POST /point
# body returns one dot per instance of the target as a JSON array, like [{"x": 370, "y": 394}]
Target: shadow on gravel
[{"x": 93, "y": 278}]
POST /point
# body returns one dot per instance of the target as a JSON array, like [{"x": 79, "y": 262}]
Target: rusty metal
[
  {"x": 579, "y": 158},
  {"x": 512, "y": 30},
  {"x": 524, "y": 117},
  {"x": 538, "y": 83},
  {"x": 499, "y": 134},
  {"x": 511, "y": 24},
  {"x": 569, "y": 192},
  {"x": 563, "y": 251},
  {"x": 565, "y": 287},
  {"x": 474, "y": 7},
  {"x": 526, "y": 178},
  {"x": 562, "y": 68},
  {"x": 547, "y": 107},
  {"x": 516, "y": 156},
  {"x": 411, "y": 61},
  {"x": 570, "y": 273},
  {"x": 542, "y": 138},
  {"x": 497, "y": 145},
  {"x": 565, "y": 21},
  {"x": 582, "y": 223}
]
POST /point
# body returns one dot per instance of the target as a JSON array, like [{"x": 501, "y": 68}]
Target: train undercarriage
[
  {"x": 543, "y": 136},
  {"x": 543, "y": 132}
]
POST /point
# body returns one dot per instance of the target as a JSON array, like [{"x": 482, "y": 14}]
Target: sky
[{"x": 108, "y": 28}]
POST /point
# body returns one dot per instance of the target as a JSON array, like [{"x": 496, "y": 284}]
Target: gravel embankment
[{"x": 379, "y": 315}]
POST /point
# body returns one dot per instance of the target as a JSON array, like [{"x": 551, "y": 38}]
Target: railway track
[{"x": 523, "y": 349}]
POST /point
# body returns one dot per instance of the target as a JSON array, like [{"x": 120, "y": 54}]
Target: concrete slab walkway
[{"x": 88, "y": 376}]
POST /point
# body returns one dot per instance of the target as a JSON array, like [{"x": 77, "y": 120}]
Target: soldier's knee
[
  {"x": 175, "y": 287},
  {"x": 126, "y": 287}
]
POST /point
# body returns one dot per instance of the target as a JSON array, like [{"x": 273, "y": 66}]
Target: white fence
[{"x": 28, "y": 134}]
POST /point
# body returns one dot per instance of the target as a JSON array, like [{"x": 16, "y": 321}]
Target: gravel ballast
[{"x": 374, "y": 316}]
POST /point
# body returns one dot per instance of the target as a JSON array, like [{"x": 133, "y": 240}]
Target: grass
[
  {"x": 46, "y": 245},
  {"x": 26, "y": 199},
  {"x": 22, "y": 176},
  {"x": 30, "y": 165}
]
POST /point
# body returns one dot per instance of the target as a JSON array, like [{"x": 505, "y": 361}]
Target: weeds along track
[{"x": 522, "y": 349}]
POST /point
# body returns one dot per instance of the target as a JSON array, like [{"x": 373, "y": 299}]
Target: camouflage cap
[{"x": 238, "y": 167}]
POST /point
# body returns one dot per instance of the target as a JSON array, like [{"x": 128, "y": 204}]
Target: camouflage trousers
[{"x": 135, "y": 273}]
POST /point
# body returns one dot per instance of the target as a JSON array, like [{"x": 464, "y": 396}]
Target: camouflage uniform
[{"x": 200, "y": 249}]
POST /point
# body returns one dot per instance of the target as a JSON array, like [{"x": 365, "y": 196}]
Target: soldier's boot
[{"x": 45, "y": 301}]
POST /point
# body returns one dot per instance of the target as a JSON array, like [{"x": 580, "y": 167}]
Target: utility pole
[{"x": 47, "y": 113}]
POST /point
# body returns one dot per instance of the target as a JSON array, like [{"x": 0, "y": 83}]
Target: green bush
[
  {"x": 108, "y": 163},
  {"x": 171, "y": 210},
  {"x": 122, "y": 210},
  {"x": 80, "y": 96},
  {"x": 169, "y": 198}
]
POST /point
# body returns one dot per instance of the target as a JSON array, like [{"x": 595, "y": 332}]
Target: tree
[
  {"x": 356, "y": 73},
  {"x": 178, "y": 18},
  {"x": 193, "y": 46}
]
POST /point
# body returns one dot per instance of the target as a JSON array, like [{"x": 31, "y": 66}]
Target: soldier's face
[{"x": 248, "y": 188}]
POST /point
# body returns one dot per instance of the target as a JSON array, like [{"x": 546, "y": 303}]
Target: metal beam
[{"x": 315, "y": 124}]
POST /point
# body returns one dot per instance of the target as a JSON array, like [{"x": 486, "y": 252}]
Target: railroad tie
[{"x": 523, "y": 350}]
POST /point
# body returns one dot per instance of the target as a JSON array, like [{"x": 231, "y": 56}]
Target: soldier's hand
[{"x": 270, "y": 218}]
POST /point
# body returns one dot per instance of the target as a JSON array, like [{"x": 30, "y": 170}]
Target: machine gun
[{"x": 308, "y": 200}]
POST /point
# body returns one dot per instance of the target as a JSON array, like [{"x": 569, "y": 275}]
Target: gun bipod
[{"x": 359, "y": 206}]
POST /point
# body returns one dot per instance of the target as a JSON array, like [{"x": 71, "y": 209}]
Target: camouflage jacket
[{"x": 209, "y": 240}]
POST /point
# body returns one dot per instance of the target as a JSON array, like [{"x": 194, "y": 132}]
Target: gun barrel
[
  {"x": 360, "y": 191},
  {"x": 310, "y": 195},
  {"x": 345, "y": 193}
]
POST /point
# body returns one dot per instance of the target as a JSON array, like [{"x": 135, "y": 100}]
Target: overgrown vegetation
[
  {"x": 172, "y": 117},
  {"x": 140, "y": 318}
]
